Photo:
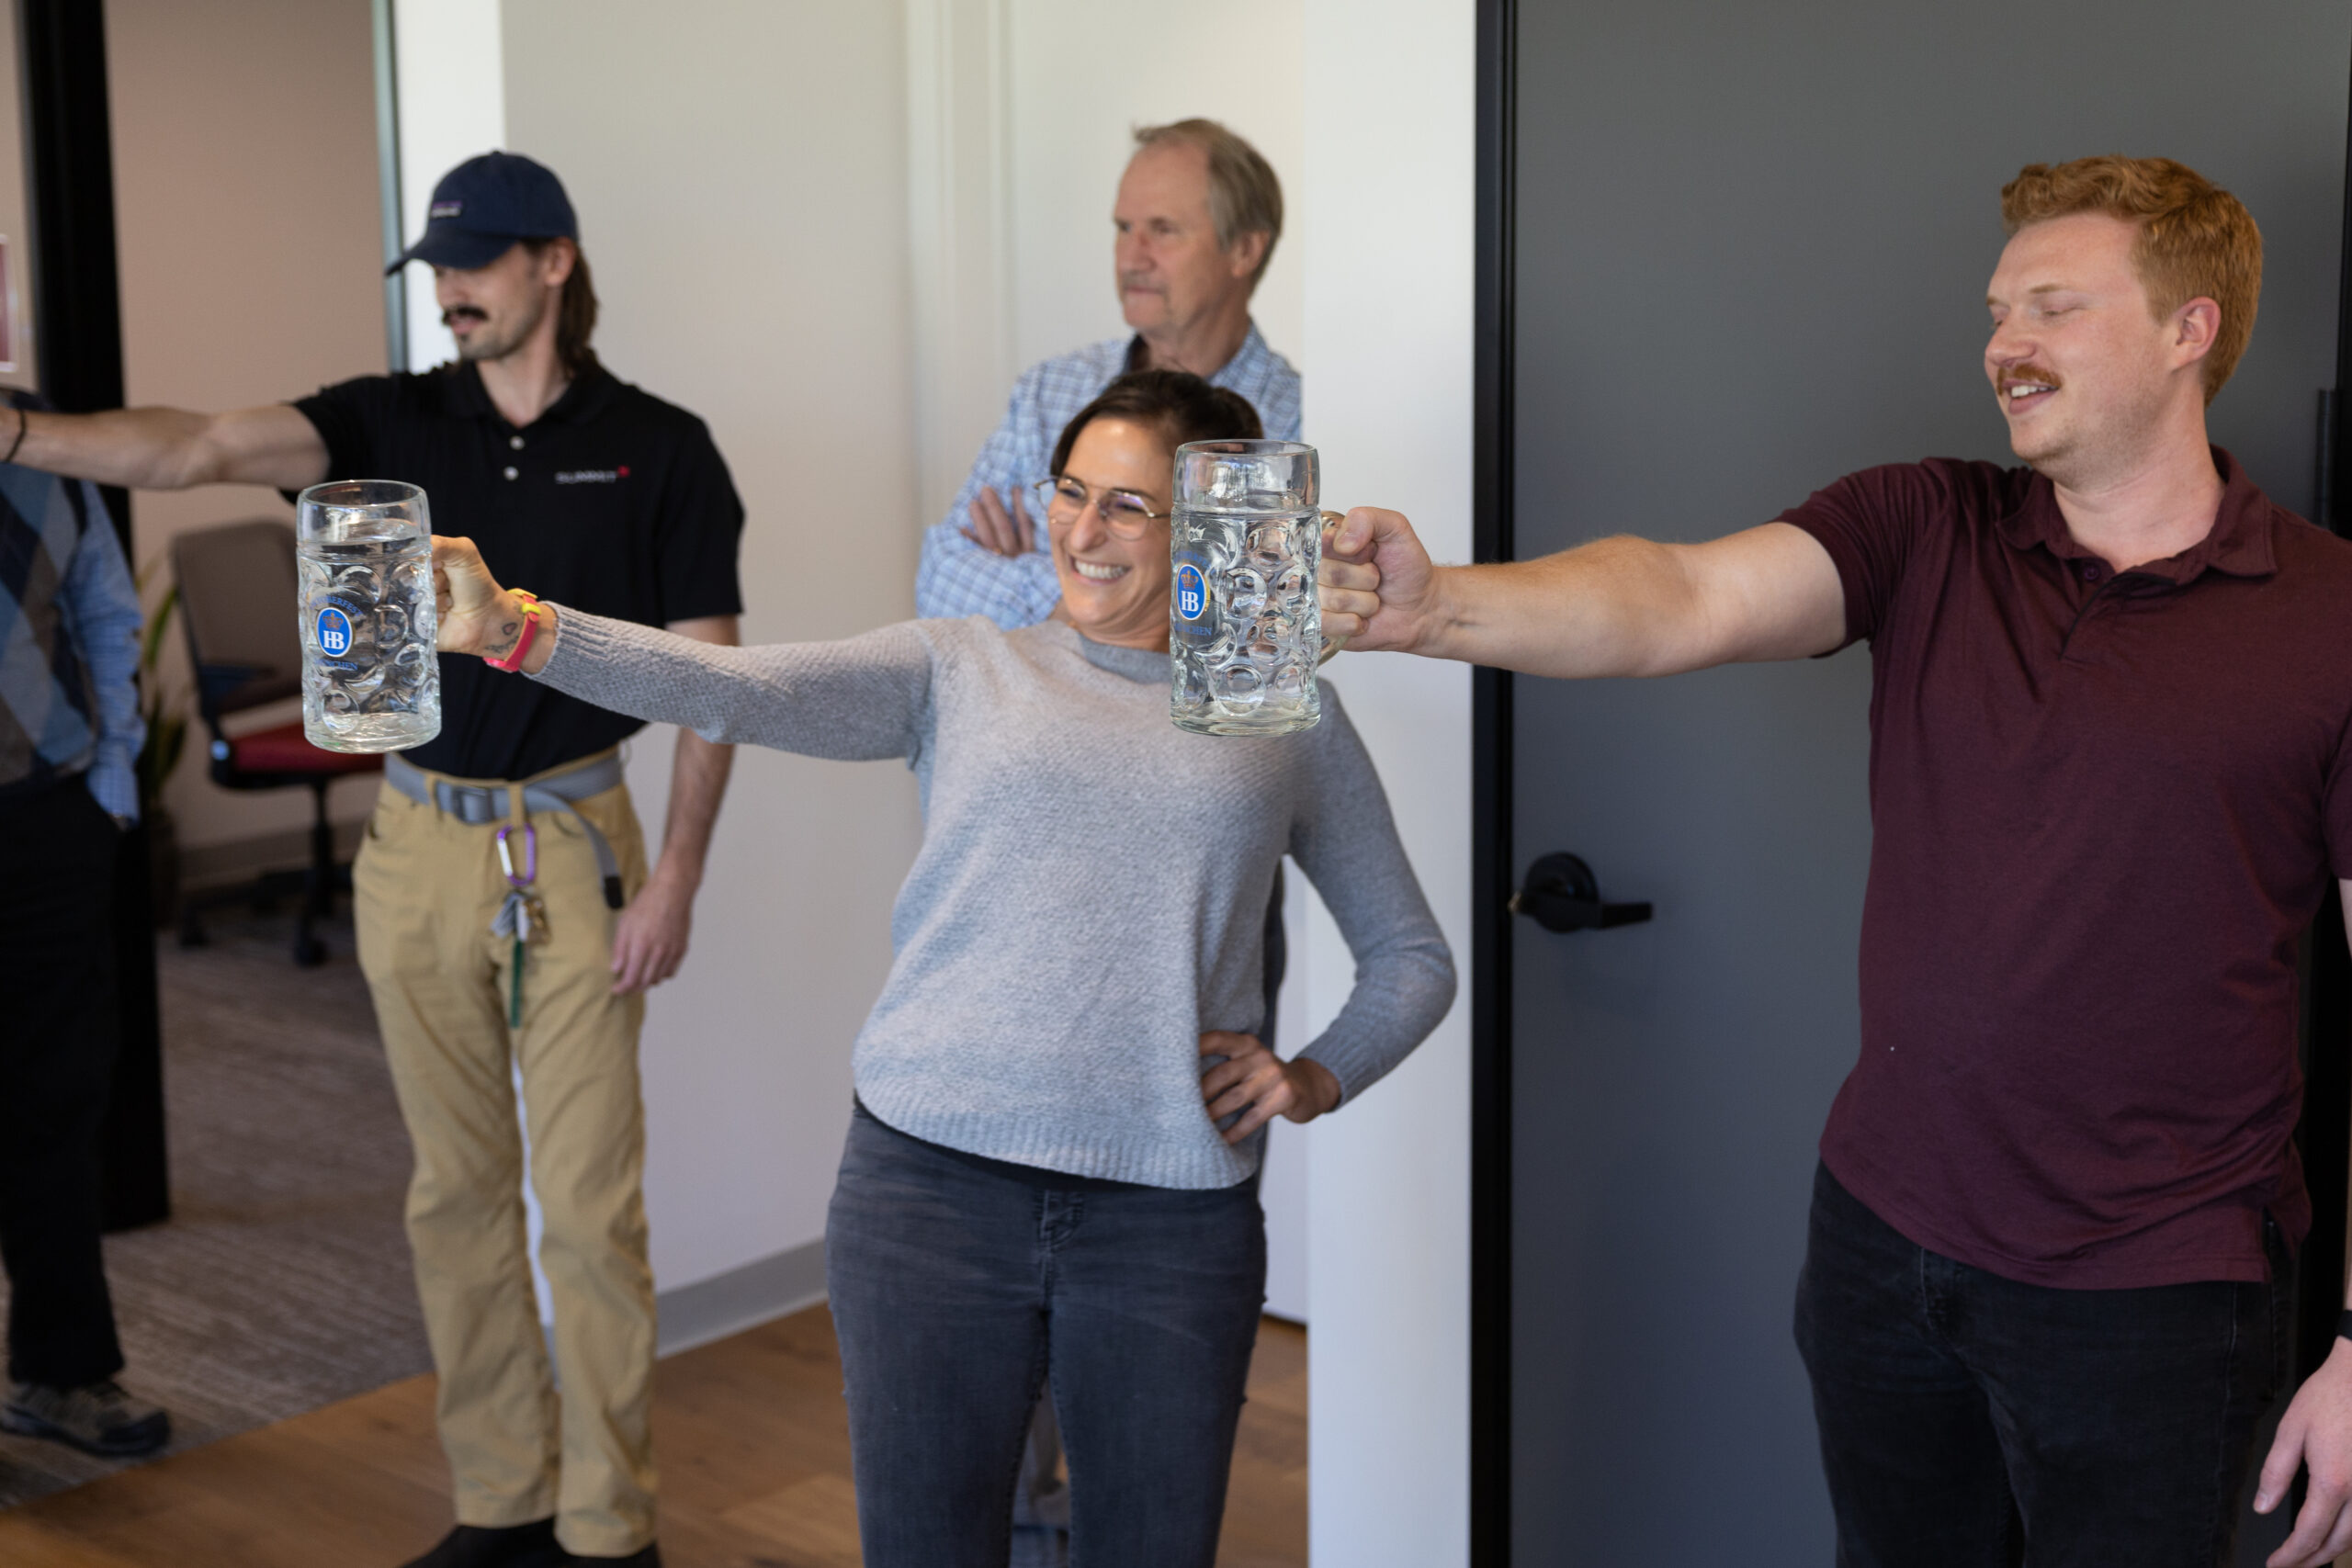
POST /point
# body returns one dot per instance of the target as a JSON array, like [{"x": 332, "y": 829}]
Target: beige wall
[
  {"x": 251, "y": 244},
  {"x": 738, "y": 167}
]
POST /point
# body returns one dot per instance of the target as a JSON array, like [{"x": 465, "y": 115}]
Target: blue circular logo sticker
[
  {"x": 335, "y": 631},
  {"x": 1191, "y": 593}
]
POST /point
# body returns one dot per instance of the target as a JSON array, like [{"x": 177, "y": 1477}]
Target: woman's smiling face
[{"x": 1114, "y": 590}]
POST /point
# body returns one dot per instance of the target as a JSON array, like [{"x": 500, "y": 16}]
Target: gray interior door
[{"x": 1751, "y": 249}]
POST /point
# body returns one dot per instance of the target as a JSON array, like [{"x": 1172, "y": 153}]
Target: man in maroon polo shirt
[{"x": 2110, "y": 776}]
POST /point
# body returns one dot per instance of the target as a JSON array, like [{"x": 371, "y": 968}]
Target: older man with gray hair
[{"x": 1198, "y": 213}]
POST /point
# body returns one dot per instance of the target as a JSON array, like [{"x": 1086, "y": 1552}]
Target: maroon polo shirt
[{"x": 2104, "y": 808}]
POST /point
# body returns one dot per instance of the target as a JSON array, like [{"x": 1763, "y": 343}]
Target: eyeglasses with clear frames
[{"x": 1124, "y": 511}]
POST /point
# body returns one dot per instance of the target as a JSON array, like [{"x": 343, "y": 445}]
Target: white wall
[
  {"x": 738, "y": 167},
  {"x": 449, "y": 81},
  {"x": 1390, "y": 102}
]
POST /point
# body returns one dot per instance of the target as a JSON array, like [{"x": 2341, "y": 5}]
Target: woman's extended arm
[
  {"x": 865, "y": 697},
  {"x": 1346, "y": 842}
]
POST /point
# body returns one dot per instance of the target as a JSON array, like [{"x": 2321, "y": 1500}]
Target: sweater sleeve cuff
[{"x": 1354, "y": 1062}]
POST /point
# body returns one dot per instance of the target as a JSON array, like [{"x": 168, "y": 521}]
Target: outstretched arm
[
  {"x": 173, "y": 448},
  {"x": 868, "y": 696},
  {"x": 1618, "y": 606}
]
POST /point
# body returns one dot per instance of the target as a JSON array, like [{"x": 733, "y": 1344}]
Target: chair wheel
[
  {"x": 308, "y": 953},
  {"x": 192, "y": 932}
]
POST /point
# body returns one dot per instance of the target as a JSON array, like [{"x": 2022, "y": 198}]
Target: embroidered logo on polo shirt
[
  {"x": 446, "y": 210},
  {"x": 592, "y": 476}
]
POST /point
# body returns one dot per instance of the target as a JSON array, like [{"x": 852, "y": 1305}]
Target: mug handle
[{"x": 1331, "y": 645}]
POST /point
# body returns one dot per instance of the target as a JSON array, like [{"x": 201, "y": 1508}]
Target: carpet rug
[{"x": 281, "y": 1282}]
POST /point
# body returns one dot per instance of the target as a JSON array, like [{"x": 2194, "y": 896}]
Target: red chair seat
[{"x": 286, "y": 749}]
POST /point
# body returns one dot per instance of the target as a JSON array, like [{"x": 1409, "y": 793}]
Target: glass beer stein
[
  {"x": 364, "y": 559},
  {"x": 1245, "y": 629}
]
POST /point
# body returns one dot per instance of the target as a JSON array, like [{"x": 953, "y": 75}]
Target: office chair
[{"x": 238, "y": 597}]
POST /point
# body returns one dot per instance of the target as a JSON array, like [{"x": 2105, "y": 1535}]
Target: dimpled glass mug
[
  {"x": 1245, "y": 629},
  {"x": 364, "y": 553}
]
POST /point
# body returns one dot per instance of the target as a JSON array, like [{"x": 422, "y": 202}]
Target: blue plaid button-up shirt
[
  {"x": 959, "y": 578},
  {"x": 69, "y": 643}
]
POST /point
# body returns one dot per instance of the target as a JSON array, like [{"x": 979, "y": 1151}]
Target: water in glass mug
[
  {"x": 370, "y": 679},
  {"x": 1245, "y": 627}
]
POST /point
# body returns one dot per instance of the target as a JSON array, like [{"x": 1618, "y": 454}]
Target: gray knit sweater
[{"x": 1092, "y": 888}]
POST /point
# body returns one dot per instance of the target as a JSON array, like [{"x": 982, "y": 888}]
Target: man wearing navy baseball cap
[
  {"x": 603, "y": 497},
  {"x": 484, "y": 206}
]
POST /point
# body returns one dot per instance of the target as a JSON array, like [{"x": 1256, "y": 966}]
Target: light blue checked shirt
[
  {"x": 958, "y": 577},
  {"x": 69, "y": 642}
]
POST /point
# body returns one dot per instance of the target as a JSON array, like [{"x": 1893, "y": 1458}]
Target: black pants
[
  {"x": 1965, "y": 1415},
  {"x": 57, "y": 1049}
]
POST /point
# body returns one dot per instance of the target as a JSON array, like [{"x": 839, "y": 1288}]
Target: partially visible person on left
[{"x": 70, "y": 734}]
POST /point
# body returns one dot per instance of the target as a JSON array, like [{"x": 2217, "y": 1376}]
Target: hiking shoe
[
  {"x": 485, "y": 1546},
  {"x": 99, "y": 1418}
]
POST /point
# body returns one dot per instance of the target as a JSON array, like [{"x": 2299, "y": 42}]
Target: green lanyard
[{"x": 521, "y": 916}]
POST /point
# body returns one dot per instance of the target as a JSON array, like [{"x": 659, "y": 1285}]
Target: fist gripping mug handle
[{"x": 1331, "y": 645}]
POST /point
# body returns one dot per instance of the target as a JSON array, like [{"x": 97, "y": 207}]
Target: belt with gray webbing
[{"x": 482, "y": 805}]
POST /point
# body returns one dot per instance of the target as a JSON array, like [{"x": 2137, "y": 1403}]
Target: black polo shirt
[{"x": 611, "y": 502}]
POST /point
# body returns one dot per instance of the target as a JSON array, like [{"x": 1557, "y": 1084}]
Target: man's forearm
[
  {"x": 1628, "y": 606},
  {"x": 1613, "y": 608},
  {"x": 698, "y": 784},
  {"x": 172, "y": 448},
  {"x": 140, "y": 448}
]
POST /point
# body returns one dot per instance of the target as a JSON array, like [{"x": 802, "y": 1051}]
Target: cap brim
[{"x": 461, "y": 250}]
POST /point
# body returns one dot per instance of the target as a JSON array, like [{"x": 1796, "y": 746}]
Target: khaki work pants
[{"x": 427, "y": 886}]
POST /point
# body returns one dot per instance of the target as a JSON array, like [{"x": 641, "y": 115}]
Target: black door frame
[
  {"x": 1491, "y": 850},
  {"x": 77, "y": 313},
  {"x": 2324, "y": 1134}
]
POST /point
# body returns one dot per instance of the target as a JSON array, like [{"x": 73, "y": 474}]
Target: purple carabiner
[{"x": 530, "y": 854}]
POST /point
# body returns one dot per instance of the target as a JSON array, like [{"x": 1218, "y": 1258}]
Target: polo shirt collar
[
  {"x": 2239, "y": 544},
  {"x": 588, "y": 393}
]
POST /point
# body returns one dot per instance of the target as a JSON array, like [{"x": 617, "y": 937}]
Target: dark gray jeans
[
  {"x": 1962, "y": 1414},
  {"x": 960, "y": 1284}
]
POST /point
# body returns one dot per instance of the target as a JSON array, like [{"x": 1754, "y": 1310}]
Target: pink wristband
[{"x": 513, "y": 661}]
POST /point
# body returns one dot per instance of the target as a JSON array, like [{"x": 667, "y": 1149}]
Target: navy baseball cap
[{"x": 483, "y": 206}]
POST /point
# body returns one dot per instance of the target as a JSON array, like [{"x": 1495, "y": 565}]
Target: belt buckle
[{"x": 471, "y": 803}]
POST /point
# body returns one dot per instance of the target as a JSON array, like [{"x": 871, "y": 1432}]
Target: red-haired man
[{"x": 2045, "y": 1284}]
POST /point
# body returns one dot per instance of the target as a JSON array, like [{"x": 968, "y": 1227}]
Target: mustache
[
  {"x": 2034, "y": 375},
  {"x": 1133, "y": 280},
  {"x": 450, "y": 316}
]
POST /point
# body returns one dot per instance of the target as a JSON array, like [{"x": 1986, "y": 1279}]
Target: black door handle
[{"x": 1560, "y": 894}]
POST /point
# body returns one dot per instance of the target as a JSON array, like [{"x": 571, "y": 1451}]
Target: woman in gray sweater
[{"x": 1061, "y": 1094}]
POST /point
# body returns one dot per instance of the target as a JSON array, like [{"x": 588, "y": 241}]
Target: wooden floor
[{"x": 753, "y": 1445}]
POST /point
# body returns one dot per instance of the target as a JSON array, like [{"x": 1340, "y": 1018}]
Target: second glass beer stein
[
  {"x": 1245, "y": 629},
  {"x": 363, "y": 554}
]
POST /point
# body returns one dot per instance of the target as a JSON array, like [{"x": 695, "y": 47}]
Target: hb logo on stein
[
  {"x": 335, "y": 631},
  {"x": 1191, "y": 593}
]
